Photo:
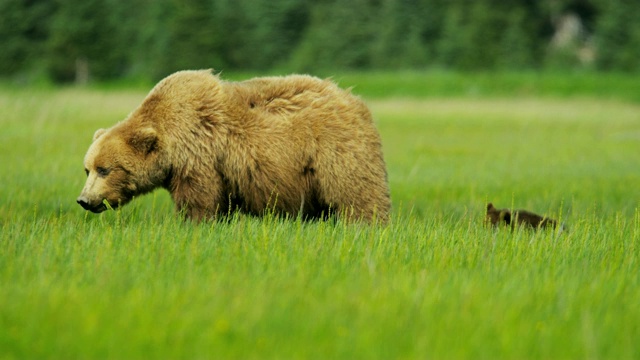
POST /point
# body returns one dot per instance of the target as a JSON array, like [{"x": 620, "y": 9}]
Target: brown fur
[
  {"x": 295, "y": 144},
  {"x": 525, "y": 218}
]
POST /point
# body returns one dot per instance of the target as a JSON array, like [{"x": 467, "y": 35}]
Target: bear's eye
[
  {"x": 86, "y": 171},
  {"x": 102, "y": 172}
]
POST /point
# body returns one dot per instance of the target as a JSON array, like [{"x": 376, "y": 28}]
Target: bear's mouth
[
  {"x": 93, "y": 208},
  {"x": 96, "y": 208}
]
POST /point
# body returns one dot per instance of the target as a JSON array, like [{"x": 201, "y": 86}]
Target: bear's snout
[{"x": 83, "y": 202}]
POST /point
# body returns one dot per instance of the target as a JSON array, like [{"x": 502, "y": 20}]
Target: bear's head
[
  {"x": 122, "y": 162},
  {"x": 497, "y": 216}
]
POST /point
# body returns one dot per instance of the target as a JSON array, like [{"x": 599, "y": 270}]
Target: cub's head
[
  {"x": 120, "y": 164},
  {"x": 497, "y": 216}
]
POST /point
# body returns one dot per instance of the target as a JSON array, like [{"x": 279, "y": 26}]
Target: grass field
[{"x": 434, "y": 283}]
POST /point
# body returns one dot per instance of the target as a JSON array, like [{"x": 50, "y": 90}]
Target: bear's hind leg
[{"x": 367, "y": 202}]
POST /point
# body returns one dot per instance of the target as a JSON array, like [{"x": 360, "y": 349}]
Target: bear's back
[{"x": 292, "y": 93}]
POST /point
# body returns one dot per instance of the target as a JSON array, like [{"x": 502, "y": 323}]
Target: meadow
[{"x": 434, "y": 283}]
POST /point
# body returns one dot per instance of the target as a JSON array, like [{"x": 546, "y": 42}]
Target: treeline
[{"x": 79, "y": 40}]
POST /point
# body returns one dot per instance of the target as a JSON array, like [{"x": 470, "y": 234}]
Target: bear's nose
[{"x": 83, "y": 202}]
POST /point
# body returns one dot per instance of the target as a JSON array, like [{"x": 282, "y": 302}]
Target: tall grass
[
  {"x": 491, "y": 84},
  {"x": 141, "y": 283}
]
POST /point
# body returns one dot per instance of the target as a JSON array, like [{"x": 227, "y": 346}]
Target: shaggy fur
[
  {"x": 525, "y": 218},
  {"x": 295, "y": 145}
]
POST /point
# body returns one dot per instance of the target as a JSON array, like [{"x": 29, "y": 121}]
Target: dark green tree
[
  {"x": 23, "y": 30},
  {"x": 194, "y": 36},
  {"x": 617, "y": 35},
  {"x": 339, "y": 35},
  {"x": 85, "y": 41},
  {"x": 398, "y": 35},
  {"x": 261, "y": 34},
  {"x": 488, "y": 34}
]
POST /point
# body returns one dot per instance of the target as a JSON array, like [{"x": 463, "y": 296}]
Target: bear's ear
[
  {"x": 144, "y": 140},
  {"x": 98, "y": 133}
]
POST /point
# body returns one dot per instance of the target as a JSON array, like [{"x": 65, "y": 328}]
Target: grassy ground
[{"x": 140, "y": 283}]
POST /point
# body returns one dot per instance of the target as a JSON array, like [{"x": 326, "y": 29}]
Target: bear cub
[{"x": 515, "y": 218}]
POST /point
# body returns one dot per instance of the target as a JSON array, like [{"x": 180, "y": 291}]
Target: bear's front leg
[{"x": 196, "y": 201}]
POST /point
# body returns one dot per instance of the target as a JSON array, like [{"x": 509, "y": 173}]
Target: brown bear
[
  {"x": 295, "y": 145},
  {"x": 525, "y": 218}
]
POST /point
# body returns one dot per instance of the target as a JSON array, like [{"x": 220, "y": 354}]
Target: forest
[{"x": 100, "y": 40}]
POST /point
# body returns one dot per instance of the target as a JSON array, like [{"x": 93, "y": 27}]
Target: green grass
[
  {"x": 141, "y": 283},
  {"x": 439, "y": 83}
]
